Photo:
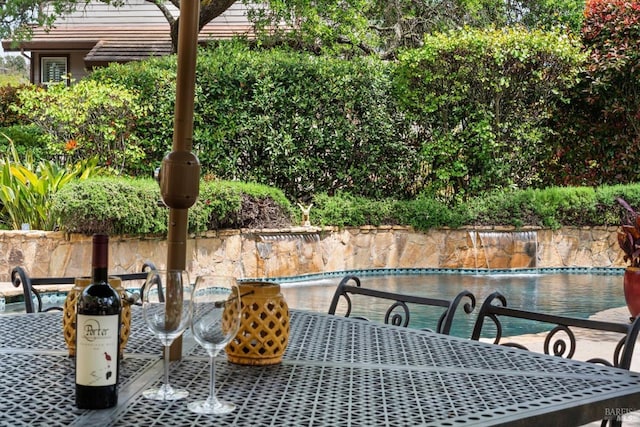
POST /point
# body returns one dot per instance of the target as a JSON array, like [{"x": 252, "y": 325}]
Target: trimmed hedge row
[
  {"x": 133, "y": 206},
  {"x": 301, "y": 123},
  {"x": 130, "y": 206}
]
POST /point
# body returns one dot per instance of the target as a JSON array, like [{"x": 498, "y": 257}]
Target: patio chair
[
  {"x": 563, "y": 338},
  {"x": 398, "y": 312},
  {"x": 494, "y": 308},
  {"x": 32, "y": 295}
]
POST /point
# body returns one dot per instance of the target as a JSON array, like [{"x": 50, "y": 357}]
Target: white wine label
[{"x": 97, "y": 350}]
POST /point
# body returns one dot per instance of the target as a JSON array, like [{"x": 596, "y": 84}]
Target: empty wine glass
[
  {"x": 215, "y": 322},
  {"x": 167, "y": 309}
]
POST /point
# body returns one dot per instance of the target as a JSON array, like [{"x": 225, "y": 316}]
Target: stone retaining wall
[{"x": 304, "y": 250}]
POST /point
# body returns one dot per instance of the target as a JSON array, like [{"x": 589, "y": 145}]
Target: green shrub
[
  {"x": 112, "y": 206},
  {"x": 154, "y": 82},
  {"x": 87, "y": 119},
  {"x": 550, "y": 208},
  {"x": 131, "y": 206},
  {"x": 27, "y": 139},
  {"x": 344, "y": 209},
  {"x": 573, "y": 206},
  {"x": 503, "y": 207},
  {"x": 226, "y": 204},
  {"x": 425, "y": 213},
  {"x": 9, "y": 100},
  {"x": 481, "y": 100},
  {"x": 301, "y": 123},
  {"x": 608, "y": 211}
]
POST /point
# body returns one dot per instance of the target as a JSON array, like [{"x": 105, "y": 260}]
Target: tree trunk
[
  {"x": 208, "y": 13},
  {"x": 174, "y": 36}
]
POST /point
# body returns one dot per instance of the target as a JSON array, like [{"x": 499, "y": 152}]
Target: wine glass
[
  {"x": 215, "y": 322},
  {"x": 167, "y": 309}
]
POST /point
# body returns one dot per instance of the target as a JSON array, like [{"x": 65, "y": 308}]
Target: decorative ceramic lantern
[{"x": 264, "y": 325}]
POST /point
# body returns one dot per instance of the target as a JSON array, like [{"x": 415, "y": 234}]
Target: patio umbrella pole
[{"x": 180, "y": 171}]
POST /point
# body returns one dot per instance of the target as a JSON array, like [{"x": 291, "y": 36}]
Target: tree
[
  {"x": 17, "y": 17},
  {"x": 611, "y": 32},
  {"x": 347, "y": 26},
  {"x": 209, "y": 10},
  {"x": 386, "y": 26},
  {"x": 14, "y": 63}
]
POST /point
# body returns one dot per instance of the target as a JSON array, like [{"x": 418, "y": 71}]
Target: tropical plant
[
  {"x": 26, "y": 188},
  {"x": 629, "y": 234}
]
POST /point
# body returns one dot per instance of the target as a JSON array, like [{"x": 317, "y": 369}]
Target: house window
[{"x": 53, "y": 69}]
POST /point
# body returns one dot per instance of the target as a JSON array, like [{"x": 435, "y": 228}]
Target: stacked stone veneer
[{"x": 296, "y": 251}]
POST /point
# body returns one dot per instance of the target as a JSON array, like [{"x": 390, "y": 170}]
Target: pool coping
[{"x": 462, "y": 271}]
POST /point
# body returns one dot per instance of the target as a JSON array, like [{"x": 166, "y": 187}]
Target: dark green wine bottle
[{"x": 98, "y": 335}]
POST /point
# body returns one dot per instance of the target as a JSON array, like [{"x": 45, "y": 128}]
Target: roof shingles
[{"x": 120, "y": 38}]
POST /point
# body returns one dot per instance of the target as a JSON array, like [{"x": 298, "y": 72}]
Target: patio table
[{"x": 336, "y": 372}]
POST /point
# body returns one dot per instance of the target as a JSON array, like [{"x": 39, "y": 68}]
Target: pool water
[
  {"x": 49, "y": 299},
  {"x": 569, "y": 294}
]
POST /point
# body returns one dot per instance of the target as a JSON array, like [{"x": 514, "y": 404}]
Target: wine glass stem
[
  {"x": 167, "y": 350},
  {"x": 212, "y": 372}
]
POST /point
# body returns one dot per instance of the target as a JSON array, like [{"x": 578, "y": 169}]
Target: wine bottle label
[{"x": 97, "y": 350}]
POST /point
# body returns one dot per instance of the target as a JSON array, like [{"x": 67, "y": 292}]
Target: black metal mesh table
[{"x": 336, "y": 372}]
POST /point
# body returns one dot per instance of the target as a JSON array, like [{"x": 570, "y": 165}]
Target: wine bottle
[{"x": 98, "y": 335}]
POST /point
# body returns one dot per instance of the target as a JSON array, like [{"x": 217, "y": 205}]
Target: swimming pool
[
  {"x": 578, "y": 293},
  {"x": 571, "y": 294}
]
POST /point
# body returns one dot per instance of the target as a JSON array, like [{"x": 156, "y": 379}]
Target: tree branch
[
  {"x": 209, "y": 10},
  {"x": 165, "y": 11}
]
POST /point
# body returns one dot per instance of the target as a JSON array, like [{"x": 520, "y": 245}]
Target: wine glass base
[
  {"x": 209, "y": 407},
  {"x": 165, "y": 393}
]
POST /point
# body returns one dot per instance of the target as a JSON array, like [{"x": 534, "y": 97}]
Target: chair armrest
[{"x": 20, "y": 278}]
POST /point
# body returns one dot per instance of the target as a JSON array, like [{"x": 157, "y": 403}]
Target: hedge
[
  {"x": 130, "y": 206},
  {"x": 133, "y": 206}
]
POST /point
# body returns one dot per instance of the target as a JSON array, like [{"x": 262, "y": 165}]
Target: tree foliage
[
  {"x": 18, "y": 17},
  {"x": 384, "y": 27},
  {"x": 350, "y": 27},
  {"x": 601, "y": 125}
]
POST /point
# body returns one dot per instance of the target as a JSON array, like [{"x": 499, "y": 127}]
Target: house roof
[{"x": 132, "y": 32}]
